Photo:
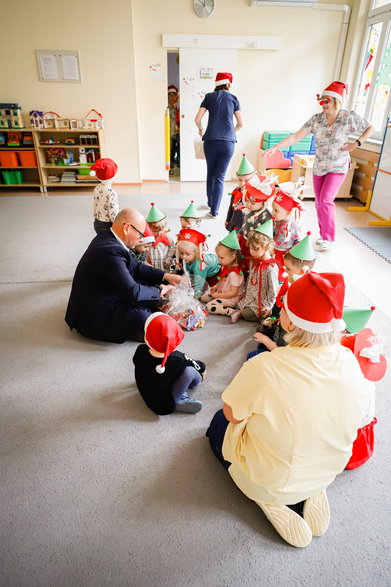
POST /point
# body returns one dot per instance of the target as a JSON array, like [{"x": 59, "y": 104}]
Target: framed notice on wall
[{"x": 58, "y": 66}]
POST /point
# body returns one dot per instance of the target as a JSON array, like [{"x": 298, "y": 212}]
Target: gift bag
[
  {"x": 199, "y": 148},
  {"x": 184, "y": 308}
]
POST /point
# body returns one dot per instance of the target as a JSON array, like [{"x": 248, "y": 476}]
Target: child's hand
[
  {"x": 213, "y": 289},
  {"x": 265, "y": 312},
  {"x": 259, "y": 337}
]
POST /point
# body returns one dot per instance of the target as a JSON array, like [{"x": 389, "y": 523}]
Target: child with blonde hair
[
  {"x": 162, "y": 252},
  {"x": 223, "y": 297},
  {"x": 262, "y": 282},
  {"x": 191, "y": 217},
  {"x": 193, "y": 260}
]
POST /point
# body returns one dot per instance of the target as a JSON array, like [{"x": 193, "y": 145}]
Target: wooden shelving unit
[
  {"x": 39, "y": 175},
  {"x": 30, "y": 173}
]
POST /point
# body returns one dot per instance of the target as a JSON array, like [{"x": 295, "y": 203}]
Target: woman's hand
[
  {"x": 349, "y": 147},
  {"x": 270, "y": 151},
  {"x": 201, "y": 132}
]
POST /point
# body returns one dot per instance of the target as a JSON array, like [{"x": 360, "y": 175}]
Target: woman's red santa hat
[
  {"x": 163, "y": 335},
  {"x": 260, "y": 188},
  {"x": 223, "y": 78},
  {"x": 104, "y": 169},
  {"x": 314, "y": 302},
  {"x": 336, "y": 90}
]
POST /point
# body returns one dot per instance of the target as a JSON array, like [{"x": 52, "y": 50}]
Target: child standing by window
[
  {"x": 286, "y": 209},
  {"x": 262, "y": 282},
  {"x": 191, "y": 217},
  {"x": 223, "y": 297},
  {"x": 163, "y": 250},
  {"x": 235, "y": 215},
  {"x": 190, "y": 249}
]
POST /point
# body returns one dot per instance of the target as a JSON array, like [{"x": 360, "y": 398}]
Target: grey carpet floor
[
  {"x": 377, "y": 238},
  {"x": 95, "y": 490}
]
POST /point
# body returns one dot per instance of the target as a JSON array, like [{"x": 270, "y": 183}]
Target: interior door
[{"x": 197, "y": 72}]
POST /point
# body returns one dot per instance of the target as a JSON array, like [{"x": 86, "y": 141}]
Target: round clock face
[{"x": 203, "y": 8}]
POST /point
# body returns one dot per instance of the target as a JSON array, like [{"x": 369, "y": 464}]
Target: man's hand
[
  {"x": 172, "y": 278},
  {"x": 165, "y": 290}
]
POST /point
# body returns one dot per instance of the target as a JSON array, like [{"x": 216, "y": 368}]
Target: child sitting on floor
[
  {"x": 164, "y": 375},
  {"x": 235, "y": 215},
  {"x": 191, "y": 217},
  {"x": 194, "y": 262},
  {"x": 286, "y": 214},
  {"x": 162, "y": 252},
  {"x": 223, "y": 297},
  {"x": 300, "y": 259},
  {"x": 262, "y": 282},
  {"x": 141, "y": 250}
]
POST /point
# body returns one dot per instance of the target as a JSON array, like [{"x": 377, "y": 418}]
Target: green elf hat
[
  {"x": 155, "y": 215},
  {"x": 266, "y": 228},
  {"x": 245, "y": 167},
  {"x": 231, "y": 240},
  {"x": 356, "y": 318},
  {"x": 304, "y": 250},
  {"x": 191, "y": 211}
]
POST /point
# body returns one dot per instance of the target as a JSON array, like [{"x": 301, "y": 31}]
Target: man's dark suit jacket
[{"x": 112, "y": 293}]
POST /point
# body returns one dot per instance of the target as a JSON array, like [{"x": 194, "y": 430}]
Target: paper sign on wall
[{"x": 58, "y": 66}]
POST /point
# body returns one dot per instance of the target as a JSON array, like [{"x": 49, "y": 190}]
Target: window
[{"x": 373, "y": 96}]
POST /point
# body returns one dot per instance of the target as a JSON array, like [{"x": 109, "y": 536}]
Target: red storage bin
[
  {"x": 27, "y": 158},
  {"x": 9, "y": 159}
]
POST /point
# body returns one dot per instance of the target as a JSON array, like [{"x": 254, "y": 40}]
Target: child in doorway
[
  {"x": 262, "y": 282},
  {"x": 141, "y": 250},
  {"x": 300, "y": 259},
  {"x": 191, "y": 217},
  {"x": 256, "y": 191},
  {"x": 286, "y": 209},
  {"x": 235, "y": 215},
  {"x": 194, "y": 262},
  {"x": 106, "y": 206},
  {"x": 368, "y": 348},
  {"x": 163, "y": 374},
  {"x": 162, "y": 252},
  {"x": 223, "y": 297}
]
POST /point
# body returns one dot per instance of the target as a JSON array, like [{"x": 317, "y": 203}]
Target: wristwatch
[{"x": 358, "y": 142}]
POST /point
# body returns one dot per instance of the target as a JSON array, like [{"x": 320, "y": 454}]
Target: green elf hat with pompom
[
  {"x": 245, "y": 167},
  {"x": 191, "y": 211},
  {"x": 231, "y": 240},
  {"x": 356, "y": 318},
  {"x": 266, "y": 228},
  {"x": 155, "y": 215},
  {"x": 304, "y": 250}
]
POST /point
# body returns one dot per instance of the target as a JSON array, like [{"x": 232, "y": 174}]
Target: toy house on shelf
[
  {"x": 10, "y": 115},
  {"x": 36, "y": 119}
]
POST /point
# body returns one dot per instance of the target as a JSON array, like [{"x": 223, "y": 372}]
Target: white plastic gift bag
[{"x": 199, "y": 148}]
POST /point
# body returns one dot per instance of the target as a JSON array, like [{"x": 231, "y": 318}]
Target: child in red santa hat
[
  {"x": 141, "y": 250},
  {"x": 163, "y": 374},
  {"x": 368, "y": 348},
  {"x": 286, "y": 208},
  {"x": 106, "y": 206},
  {"x": 193, "y": 260}
]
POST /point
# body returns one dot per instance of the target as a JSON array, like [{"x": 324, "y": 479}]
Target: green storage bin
[
  {"x": 85, "y": 170},
  {"x": 275, "y": 135},
  {"x": 12, "y": 177}
]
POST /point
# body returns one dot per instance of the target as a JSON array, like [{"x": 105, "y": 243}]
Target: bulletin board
[{"x": 58, "y": 66}]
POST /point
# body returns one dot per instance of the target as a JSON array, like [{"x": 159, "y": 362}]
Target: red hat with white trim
[
  {"x": 336, "y": 90},
  {"x": 368, "y": 348},
  {"x": 162, "y": 334},
  {"x": 287, "y": 195},
  {"x": 148, "y": 237},
  {"x": 104, "y": 169},
  {"x": 190, "y": 235},
  {"x": 172, "y": 89},
  {"x": 260, "y": 188},
  {"x": 223, "y": 78},
  {"x": 315, "y": 302}
]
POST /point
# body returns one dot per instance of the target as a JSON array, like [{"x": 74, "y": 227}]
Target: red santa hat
[
  {"x": 223, "y": 78},
  {"x": 190, "y": 235},
  {"x": 336, "y": 90},
  {"x": 315, "y": 302},
  {"x": 162, "y": 334},
  {"x": 148, "y": 237},
  {"x": 104, "y": 169},
  {"x": 260, "y": 188},
  {"x": 172, "y": 89},
  {"x": 368, "y": 348},
  {"x": 286, "y": 196}
]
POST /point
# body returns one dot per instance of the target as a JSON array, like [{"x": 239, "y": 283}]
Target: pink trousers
[{"x": 326, "y": 188}]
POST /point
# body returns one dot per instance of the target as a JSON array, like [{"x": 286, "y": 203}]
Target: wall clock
[{"x": 203, "y": 8}]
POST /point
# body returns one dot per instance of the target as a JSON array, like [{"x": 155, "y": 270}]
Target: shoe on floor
[
  {"x": 188, "y": 404},
  {"x": 319, "y": 241},
  {"x": 235, "y": 316},
  {"x": 324, "y": 246},
  {"x": 290, "y": 526},
  {"x": 316, "y": 513},
  {"x": 210, "y": 215}
]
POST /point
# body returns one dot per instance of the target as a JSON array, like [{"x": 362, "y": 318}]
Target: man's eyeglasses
[{"x": 141, "y": 234}]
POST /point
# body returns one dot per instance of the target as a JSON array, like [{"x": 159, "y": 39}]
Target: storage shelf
[
  {"x": 68, "y": 183},
  {"x": 17, "y": 148},
  {"x": 88, "y": 131},
  {"x": 68, "y": 146},
  {"x": 18, "y": 167},
  {"x": 18, "y": 185},
  {"x": 65, "y": 167}
]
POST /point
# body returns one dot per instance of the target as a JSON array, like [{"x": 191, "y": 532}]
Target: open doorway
[{"x": 174, "y": 108}]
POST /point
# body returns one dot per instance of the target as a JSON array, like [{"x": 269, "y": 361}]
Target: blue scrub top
[{"x": 221, "y": 106}]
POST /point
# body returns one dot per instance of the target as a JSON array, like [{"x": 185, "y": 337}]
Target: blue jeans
[
  {"x": 260, "y": 349},
  {"x": 218, "y": 154}
]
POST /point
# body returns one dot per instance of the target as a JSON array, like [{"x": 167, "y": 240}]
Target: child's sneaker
[
  {"x": 324, "y": 246},
  {"x": 188, "y": 404},
  {"x": 319, "y": 241}
]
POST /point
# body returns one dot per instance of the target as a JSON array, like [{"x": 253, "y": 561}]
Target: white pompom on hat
[
  {"x": 162, "y": 334},
  {"x": 314, "y": 302}
]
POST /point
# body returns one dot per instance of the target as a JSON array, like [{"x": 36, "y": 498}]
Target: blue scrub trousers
[{"x": 218, "y": 154}]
